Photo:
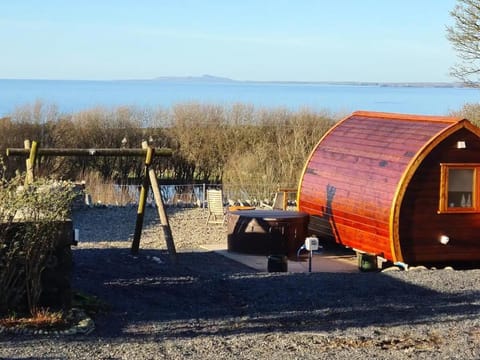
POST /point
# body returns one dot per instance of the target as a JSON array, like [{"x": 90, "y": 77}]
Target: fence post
[{"x": 203, "y": 195}]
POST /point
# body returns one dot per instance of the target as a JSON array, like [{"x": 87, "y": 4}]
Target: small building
[{"x": 405, "y": 188}]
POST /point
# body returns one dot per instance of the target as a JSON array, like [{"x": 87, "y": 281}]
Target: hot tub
[{"x": 266, "y": 232}]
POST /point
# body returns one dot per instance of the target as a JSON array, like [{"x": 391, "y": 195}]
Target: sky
[{"x": 260, "y": 40}]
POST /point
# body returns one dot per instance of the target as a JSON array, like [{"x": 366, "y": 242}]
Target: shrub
[
  {"x": 27, "y": 231},
  {"x": 470, "y": 112},
  {"x": 237, "y": 145}
]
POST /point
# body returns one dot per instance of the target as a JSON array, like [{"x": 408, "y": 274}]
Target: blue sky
[{"x": 292, "y": 40}]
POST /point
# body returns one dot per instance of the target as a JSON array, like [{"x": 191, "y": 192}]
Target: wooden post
[
  {"x": 26, "y": 144},
  {"x": 141, "y": 204},
  {"x": 285, "y": 192},
  {"x": 29, "y": 176},
  {"x": 167, "y": 232}
]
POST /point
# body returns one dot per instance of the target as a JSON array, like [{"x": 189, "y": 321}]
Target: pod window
[{"x": 458, "y": 188}]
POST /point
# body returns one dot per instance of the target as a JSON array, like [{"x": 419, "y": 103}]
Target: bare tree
[{"x": 464, "y": 36}]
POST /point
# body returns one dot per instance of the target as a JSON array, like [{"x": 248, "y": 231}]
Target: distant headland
[
  {"x": 212, "y": 78},
  {"x": 204, "y": 78}
]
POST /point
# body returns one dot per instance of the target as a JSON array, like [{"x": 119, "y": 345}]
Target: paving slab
[{"x": 321, "y": 262}]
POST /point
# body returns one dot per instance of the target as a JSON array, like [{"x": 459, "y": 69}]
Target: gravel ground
[{"x": 209, "y": 307}]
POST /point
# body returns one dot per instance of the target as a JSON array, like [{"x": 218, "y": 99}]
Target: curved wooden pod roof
[{"x": 357, "y": 175}]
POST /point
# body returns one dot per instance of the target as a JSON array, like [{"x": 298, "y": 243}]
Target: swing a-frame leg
[{"x": 151, "y": 180}]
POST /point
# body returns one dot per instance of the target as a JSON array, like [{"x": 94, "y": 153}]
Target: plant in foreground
[{"x": 28, "y": 228}]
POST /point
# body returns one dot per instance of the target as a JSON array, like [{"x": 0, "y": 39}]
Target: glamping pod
[{"x": 405, "y": 188}]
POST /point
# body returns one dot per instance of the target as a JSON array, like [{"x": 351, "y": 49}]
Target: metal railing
[{"x": 182, "y": 196}]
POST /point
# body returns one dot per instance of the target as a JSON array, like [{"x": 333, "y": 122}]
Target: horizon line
[{"x": 212, "y": 78}]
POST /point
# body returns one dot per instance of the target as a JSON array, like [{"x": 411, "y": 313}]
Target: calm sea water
[{"x": 71, "y": 96}]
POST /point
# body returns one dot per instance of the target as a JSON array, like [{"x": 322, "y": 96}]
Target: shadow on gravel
[{"x": 207, "y": 294}]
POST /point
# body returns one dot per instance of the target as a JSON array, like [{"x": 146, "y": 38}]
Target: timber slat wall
[
  {"x": 420, "y": 223},
  {"x": 363, "y": 158}
]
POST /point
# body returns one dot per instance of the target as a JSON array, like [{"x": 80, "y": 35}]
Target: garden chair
[
  {"x": 280, "y": 201},
  {"x": 216, "y": 210}
]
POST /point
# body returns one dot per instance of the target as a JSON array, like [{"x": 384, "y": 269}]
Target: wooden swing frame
[{"x": 31, "y": 150}]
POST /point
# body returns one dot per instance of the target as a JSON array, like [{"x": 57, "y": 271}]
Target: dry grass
[
  {"x": 235, "y": 144},
  {"x": 103, "y": 192},
  {"x": 42, "y": 319}
]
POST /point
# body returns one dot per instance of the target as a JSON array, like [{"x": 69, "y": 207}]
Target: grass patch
[
  {"x": 46, "y": 319},
  {"x": 41, "y": 319}
]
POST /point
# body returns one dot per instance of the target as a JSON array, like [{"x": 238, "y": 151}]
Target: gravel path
[{"x": 210, "y": 307}]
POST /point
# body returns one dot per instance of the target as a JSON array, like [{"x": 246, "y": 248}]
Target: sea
[{"x": 71, "y": 96}]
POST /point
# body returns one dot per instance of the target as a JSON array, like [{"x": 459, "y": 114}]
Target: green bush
[{"x": 28, "y": 216}]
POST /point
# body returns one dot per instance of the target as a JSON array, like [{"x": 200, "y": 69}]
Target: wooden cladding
[{"x": 392, "y": 185}]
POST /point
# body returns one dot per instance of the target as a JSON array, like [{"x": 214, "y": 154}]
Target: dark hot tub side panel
[{"x": 266, "y": 232}]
